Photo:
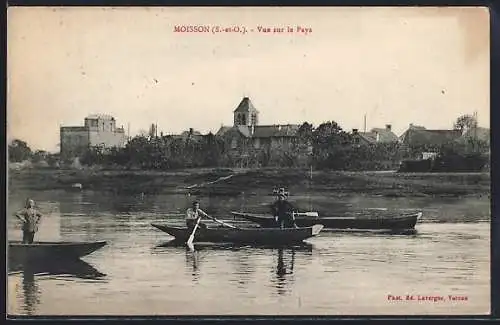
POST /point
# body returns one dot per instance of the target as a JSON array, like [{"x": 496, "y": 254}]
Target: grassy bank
[{"x": 258, "y": 182}]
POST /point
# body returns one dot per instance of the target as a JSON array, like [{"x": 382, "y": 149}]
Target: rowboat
[
  {"x": 52, "y": 250},
  {"x": 404, "y": 221},
  {"x": 239, "y": 235}
]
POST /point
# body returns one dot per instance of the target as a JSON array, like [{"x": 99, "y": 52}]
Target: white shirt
[{"x": 192, "y": 215}]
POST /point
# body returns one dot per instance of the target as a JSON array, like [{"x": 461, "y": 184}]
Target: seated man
[{"x": 192, "y": 216}]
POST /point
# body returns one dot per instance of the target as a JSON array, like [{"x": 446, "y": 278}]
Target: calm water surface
[{"x": 137, "y": 273}]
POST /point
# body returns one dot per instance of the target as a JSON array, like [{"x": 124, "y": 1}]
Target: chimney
[
  {"x": 411, "y": 125},
  {"x": 354, "y": 131},
  {"x": 191, "y": 131},
  {"x": 388, "y": 127}
]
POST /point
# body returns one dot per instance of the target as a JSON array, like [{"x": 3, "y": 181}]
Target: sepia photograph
[{"x": 204, "y": 161}]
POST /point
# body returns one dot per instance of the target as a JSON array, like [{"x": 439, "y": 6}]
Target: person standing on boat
[
  {"x": 30, "y": 218},
  {"x": 283, "y": 212},
  {"x": 193, "y": 214}
]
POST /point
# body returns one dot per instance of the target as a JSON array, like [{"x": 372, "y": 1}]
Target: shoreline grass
[{"x": 254, "y": 181}]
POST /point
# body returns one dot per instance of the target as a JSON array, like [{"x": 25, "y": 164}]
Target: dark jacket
[{"x": 282, "y": 208}]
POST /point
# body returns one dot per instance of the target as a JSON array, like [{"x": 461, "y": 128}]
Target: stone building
[
  {"x": 98, "y": 130},
  {"x": 246, "y": 138}
]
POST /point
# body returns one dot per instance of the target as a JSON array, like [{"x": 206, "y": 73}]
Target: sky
[{"x": 425, "y": 66}]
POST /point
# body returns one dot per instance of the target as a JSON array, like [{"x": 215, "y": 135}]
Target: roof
[
  {"x": 188, "y": 133},
  {"x": 100, "y": 116},
  {"x": 245, "y": 106},
  {"x": 384, "y": 135},
  {"x": 263, "y": 131},
  {"x": 430, "y": 137},
  {"x": 288, "y": 130},
  {"x": 223, "y": 130}
]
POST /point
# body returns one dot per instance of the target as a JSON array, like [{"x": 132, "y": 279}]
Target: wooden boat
[
  {"x": 405, "y": 221},
  {"x": 52, "y": 250},
  {"x": 239, "y": 235}
]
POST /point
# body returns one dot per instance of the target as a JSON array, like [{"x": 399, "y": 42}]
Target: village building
[
  {"x": 246, "y": 138},
  {"x": 429, "y": 142},
  {"x": 375, "y": 136},
  {"x": 97, "y": 131}
]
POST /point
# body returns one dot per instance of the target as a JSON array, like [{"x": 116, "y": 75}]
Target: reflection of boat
[
  {"x": 51, "y": 250},
  {"x": 31, "y": 269},
  {"x": 300, "y": 246},
  {"x": 77, "y": 268},
  {"x": 239, "y": 235},
  {"x": 404, "y": 221}
]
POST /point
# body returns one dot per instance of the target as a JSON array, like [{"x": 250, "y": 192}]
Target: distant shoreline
[{"x": 233, "y": 182}]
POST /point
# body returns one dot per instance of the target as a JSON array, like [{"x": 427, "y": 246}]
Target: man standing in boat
[
  {"x": 193, "y": 214},
  {"x": 30, "y": 218},
  {"x": 283, "y": 211}
]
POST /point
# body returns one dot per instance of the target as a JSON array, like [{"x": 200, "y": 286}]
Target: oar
[
  {"x": 221, "y": 222},
  {"x": 307, "y": 214},
  {"x": 191, "y": 238}
]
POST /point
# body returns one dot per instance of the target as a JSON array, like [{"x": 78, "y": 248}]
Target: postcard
[{"x": 248, "y": 161}]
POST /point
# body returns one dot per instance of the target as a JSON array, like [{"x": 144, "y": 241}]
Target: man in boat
[
  {"x": 193, "y": 214},
  {"x": 283, "y": 211},
  {"x": 30, "y": 218}
]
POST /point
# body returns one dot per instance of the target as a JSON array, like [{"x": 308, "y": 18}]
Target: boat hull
[
  {"x": 249, "y": 236},
  {"x": 51, "y": 250},
  {"x": 384, "y": 223}
]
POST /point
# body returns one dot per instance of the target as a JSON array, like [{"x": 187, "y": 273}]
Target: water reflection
[
  {"x": 192, "y": 263},
  {"x": 33, "y": 271},
  {"x": 284, "y": 270}
]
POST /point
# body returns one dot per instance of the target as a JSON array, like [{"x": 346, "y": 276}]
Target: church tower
[{"x": 246, "y": 114}]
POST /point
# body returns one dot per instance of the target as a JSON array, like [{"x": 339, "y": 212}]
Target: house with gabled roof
[
  {"x": 427, "y": 142},
  {"x": 375, "y": 135},
  {"x": 420, "y": 136}
]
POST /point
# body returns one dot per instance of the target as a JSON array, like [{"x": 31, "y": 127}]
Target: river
[{"x": 137, "y": 273}]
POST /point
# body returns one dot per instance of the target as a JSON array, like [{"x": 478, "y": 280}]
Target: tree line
[{"x": 327, "y": 146}]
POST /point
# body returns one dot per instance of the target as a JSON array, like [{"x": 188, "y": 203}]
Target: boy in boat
[
  {"x": 192, "y": 216},
  {"x": 30, "y": 218},
  {"x": 283, "y": 211}
]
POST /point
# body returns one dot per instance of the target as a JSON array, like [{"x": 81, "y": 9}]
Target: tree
[
  {"x": 330, "y": 146},
  {"x": 19, "y": 151},
  {"x": 305, "y": 132},
  {"x": 465, "y": 122}
]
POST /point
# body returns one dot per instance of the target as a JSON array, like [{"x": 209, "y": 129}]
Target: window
[
  {"x": 234, "y": 144},
  {"x": 254, "y": 119},
  {"x": 243, "y": 119}
]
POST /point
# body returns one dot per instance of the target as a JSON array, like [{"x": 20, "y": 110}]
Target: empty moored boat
[
  {"x": 404, "y": 221},
  {"x": 239, "y": 235},
  {"x": 52, "y": 250}
]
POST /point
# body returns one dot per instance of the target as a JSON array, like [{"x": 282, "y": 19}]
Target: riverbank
[{"x": 234, "y": 182}]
